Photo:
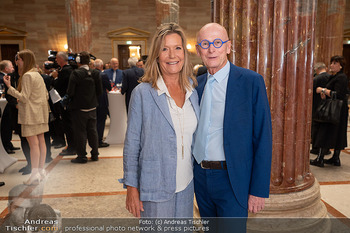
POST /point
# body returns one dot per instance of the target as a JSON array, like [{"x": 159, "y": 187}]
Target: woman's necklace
[{"x": 182, "y": 130}]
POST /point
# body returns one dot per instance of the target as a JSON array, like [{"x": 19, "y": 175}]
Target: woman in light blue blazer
[{"x": 163, "y": 115}]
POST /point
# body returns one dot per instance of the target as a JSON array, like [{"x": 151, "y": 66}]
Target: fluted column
[
  {"x": 276, "y": 39},
  {"x": 329, "y": 29},
  {"x": 167, "y": 11},
  {"x": 79, "y": 25}
]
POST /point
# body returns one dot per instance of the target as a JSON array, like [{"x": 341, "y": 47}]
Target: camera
[
  {"x": 72, "y": 60},
  {"x": 52, "y": 58}
]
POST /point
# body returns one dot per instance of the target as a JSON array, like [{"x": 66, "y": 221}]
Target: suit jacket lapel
[
  {"x": 233, "y": 90},
  {"x": 162, "y": 105},
  {"x": 201, "y": 84}
]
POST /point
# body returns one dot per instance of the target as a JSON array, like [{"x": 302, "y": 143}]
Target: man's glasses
[{"x": 217, "y": 43}]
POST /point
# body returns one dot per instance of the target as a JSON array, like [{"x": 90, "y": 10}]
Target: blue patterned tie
[{"x": 201, "y": 140}]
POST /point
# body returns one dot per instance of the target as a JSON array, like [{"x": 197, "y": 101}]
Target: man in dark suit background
[
  {"x": 233, "y": 141},
  {"x": 7, "y": 124},
  {"x": 102, "y": 108},
  {"x": 83, "y": 89},
  {"x": 63, "y": 117},
  {"x": 131, "y": 79},
  {"x": 115, "y": 75},
  {"x": 320, "y": 80},
  {"x": 1, "y": 182}
]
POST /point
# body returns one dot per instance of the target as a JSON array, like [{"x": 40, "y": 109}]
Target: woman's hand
[
  {"x": 323, "y": 92},
  {"x": 7, "y": 80},
  {"x": 133, "y": 203}
]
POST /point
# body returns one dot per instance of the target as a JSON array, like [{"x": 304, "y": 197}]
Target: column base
[{"x": 298, "y": 212}]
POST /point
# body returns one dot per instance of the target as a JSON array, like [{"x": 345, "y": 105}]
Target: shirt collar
[
  {"x": 163, "y": 89},
  {"x": 222, "y": 73}
]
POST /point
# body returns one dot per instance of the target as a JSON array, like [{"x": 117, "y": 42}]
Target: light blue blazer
[{"x": 150, "y": 151}]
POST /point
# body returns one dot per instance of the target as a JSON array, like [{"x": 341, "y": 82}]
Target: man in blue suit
[
  {"x": 233, "y": 141},
  {"x": 115, "y": 75}
]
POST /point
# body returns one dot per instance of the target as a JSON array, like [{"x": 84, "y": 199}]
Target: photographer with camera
[
  {"x": 83, "y": 90},
  {"x": 63, "y": 118}
]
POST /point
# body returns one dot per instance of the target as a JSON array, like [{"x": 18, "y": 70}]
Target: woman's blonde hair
[
  {"x": 152, "y": 71},
  {"x": 29, "y": 63}
]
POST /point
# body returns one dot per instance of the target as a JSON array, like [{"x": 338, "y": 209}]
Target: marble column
[
  {"x": 167, "y": 11},
  {"x": 79, "y": 25},
  {"x": 329, "y": 29},
  {"x": 276, "y": 39}
]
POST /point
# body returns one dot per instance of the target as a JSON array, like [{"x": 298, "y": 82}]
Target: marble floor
[{"x": 92, "y": 190}]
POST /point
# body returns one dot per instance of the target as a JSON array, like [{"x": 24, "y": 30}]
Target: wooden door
[
  {"x": 9, "y": 51},
  {"x": 123, "y": 56}
]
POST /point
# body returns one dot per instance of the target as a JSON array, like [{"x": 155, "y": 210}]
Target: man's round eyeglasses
[{"x": 217, "y": 43}]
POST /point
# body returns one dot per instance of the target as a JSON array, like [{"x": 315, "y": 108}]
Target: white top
[{"x": 185, "y": 123}]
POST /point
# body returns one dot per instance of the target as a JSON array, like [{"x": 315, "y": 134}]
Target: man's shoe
[
  {"x": 317, "y": 162},
  {"x": 27, "y": 171},
  {"x": 24, "y": 168},
  {"x": 2, "y": 183},
  {"x": 103, "y": 144},
  {"x": 79, "y": 160},
  {"x": 59, "y": 145},
  {"x": 66, "y": 152},
  {"x": 9, "y": 151},
  {"x": 15, "y": 148},
  {"x": 95, "y": 158},
  {"x": 333, "y": 161}
]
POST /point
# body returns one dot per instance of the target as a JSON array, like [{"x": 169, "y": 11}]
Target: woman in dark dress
[{"x": 333, "y": 136}]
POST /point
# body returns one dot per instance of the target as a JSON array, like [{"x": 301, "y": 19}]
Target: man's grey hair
[
  {"x": 132, "y": 61},
  {"x": 63, "y": 55},
  {"x": 4, "y": 64},
  {"x": 320, "y": 65},
  {"x": 98, "y": 63}
]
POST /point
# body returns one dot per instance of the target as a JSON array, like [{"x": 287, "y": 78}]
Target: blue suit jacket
[
  {"x": 247, "y": 133},
  {"x": 150, "y": 151},
  {"x": 119, "y": 75}
]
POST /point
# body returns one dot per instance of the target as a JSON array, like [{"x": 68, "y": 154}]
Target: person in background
[
  {"x": 48, "y": 84},
  {"x": 333, "y": 136},
  {"x": 64, "y": 118},
  {"x": 15, "y": 78},
  {"x": 33, "y": 111},
  {"x": 1, "y": 182},
  {"x": 163, "y": 114},
  {"x": 83, "y": 89},
  {"x": 102, "y": 108},
  {"x": 140, "y": 64},
  {"x": 106, "y": 66},
  {"x": 131, "y": 78},
  {"x": 115, "y": 75},
  {"x": 320, "y": 80},
  {"x": 6, "y": 67}
]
